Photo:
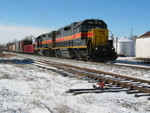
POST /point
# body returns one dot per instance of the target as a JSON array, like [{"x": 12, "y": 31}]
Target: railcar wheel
[
  {"x": 81, "y": 55},
  {"x": 44, "y": 52},
  {"x": 57, "y": 54}
]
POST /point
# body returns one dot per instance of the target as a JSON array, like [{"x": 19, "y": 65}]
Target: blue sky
[{"x": 21, "y": 18}]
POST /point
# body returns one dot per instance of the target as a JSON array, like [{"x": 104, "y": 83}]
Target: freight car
[
  {"x": 29, "y": 49},
  {"x": 86, "y": 40},
  {"x": 19, "y": 46},
  {"x": 11, "y": 47},
  {"x": 22, "y": 44}
]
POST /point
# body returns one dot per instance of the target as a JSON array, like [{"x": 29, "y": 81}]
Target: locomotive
[{"x": 85, "y": 40}]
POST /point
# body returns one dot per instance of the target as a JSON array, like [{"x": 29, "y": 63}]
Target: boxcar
[
  {"x": 29, "y": 48},
  {"x": 22, "y": 44}
]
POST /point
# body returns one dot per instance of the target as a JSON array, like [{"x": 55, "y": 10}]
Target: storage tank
[{"x": 125, "y": 47}]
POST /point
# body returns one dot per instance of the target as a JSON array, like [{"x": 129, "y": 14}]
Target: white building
[{"x": 143, "y": 46}]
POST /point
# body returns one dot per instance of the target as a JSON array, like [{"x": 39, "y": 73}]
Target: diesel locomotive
[{"x": 86, "y": 40}]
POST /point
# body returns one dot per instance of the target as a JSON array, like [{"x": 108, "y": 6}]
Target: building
[{"x": 143, "y": 46}]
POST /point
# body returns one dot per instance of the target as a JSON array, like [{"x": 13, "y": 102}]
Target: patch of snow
[{"x": 25, "y": 88}]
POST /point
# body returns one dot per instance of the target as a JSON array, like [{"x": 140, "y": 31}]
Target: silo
[{"x": 125, "y": 47}]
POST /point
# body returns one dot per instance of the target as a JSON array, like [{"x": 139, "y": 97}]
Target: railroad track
[
  {"x": 131, "y": 85},
  {"x": 133, "y": 66}
]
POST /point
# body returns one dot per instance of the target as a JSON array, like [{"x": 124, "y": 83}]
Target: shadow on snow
[{"x": 17, "y": 61}]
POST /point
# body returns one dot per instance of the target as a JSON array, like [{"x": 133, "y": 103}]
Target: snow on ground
[{"x": 25, "y": 88}]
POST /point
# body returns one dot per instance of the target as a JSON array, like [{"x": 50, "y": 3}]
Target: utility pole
[{"x": 131, "y": 33}]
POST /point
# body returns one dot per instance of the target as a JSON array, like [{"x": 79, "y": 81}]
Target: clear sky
[{"x": 21, "y": 18}]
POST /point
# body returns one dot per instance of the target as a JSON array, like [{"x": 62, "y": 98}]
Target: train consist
[{"x": 86, "y": 40}]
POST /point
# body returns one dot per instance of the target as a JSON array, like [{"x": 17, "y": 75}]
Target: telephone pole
[{"x": 131, "y": 33}]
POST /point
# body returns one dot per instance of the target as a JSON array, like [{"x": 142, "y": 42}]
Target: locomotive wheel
[
  {"x": 81, "y": 55},
  {"x": 44, "y": 52},
  {"x": 78, "y": 56},
  {"x": 57, "y": 54},
  {"x": 89, "y": 58}
]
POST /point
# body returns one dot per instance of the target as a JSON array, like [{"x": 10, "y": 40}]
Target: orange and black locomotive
[{"x": 86, "y": 40}]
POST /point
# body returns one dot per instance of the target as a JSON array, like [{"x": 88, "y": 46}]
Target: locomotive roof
[{"x": 80, "y": 22}]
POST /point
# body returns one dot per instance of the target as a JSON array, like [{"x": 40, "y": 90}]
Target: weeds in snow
[{"x": 63, "y": 108}]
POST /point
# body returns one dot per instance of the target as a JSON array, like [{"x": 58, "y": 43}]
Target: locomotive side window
[
  {"x": 49, "y": 35},
  {"x": 58, "y": 32},
  {"x": 78, "y": 29}
]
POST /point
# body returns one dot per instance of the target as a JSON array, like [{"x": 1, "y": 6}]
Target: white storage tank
[
  {"x": 125, "y": 47},
  {"x": 143, "y": 46}
]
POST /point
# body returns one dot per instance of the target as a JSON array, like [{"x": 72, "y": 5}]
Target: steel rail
[
  {"x": 123, "y": 81},
  {"x": 100, "y": 72}
]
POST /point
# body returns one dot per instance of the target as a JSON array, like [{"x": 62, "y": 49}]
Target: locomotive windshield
[{"x": 92, "y": 24}]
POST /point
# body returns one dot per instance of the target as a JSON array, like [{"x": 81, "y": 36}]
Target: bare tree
[{"x": 30, "y": 37}]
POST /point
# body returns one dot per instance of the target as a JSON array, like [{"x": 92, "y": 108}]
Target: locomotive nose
[{"x": 100, "y": 37}]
